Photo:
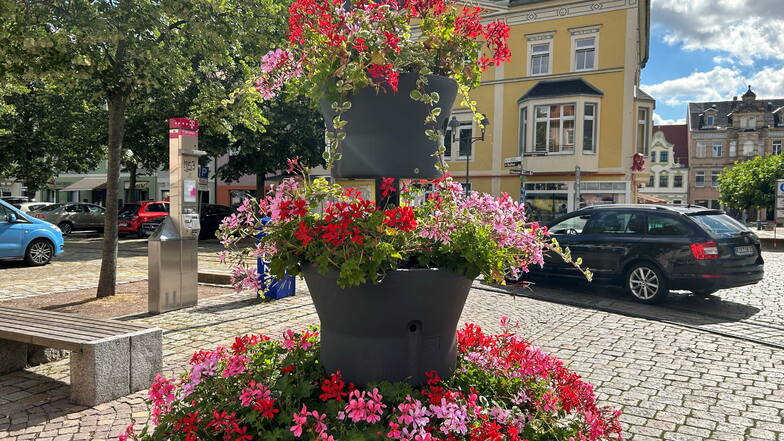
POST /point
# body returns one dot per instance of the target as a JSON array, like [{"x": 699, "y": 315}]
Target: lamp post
[{"x": 454, "y": 124}]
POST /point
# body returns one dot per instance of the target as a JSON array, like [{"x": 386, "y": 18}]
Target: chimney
[
  {"x": 734, "y": 102},
  {"x": 770, "y": 106}
]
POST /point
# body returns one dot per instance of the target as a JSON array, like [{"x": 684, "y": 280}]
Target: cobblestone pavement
[
  {"x": 79, "y": 266},
  {"x": 673, "y": 383}
]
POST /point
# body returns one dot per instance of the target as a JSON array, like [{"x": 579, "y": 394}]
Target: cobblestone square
[{"x": 691, "y": 369}]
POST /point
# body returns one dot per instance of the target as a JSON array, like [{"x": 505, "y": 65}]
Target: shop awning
[
  {"x": 647, "y": 199},
  {"x": 86, "y": 184}
]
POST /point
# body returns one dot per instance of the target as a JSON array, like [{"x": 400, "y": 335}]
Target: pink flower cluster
[
  {"x": 277, "y": 68},
  {"x": 161, "y": 396},
  {"x": 363, "y": 406},
  {"x": 318, "y": 425}
]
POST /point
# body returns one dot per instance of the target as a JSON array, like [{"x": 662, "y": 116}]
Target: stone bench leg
[
  {"x": 13, "y": 356},
  {"x": 101, "y": 371},
  {"x": 146, "y": 358}
]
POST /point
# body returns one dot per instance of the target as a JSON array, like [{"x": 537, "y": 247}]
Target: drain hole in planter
[{"x": 414, "y": 326}]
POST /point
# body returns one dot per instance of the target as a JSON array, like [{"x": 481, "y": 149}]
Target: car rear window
[
  {"x": 718, "y": 224},
  {"x": 50, "y": 207},
  {"x": 129, "y": 209}
]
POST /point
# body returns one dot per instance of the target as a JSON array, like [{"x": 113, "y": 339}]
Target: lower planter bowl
[{"x": 394, "y": 331}]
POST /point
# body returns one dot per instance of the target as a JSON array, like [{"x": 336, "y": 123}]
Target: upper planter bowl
[{"x": 385, "y": 132}]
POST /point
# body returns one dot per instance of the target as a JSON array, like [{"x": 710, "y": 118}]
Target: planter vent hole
[{"x": 414, "y": 326}]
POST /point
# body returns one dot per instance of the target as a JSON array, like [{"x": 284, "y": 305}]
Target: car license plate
[{"x": 747, "y": 250}]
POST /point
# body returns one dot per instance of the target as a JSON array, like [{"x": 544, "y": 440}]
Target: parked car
[
  {"x": 29, "y": 207},
  {"x": 25, "y": 237},
  {"x": 210, "y": 218},
  {"x": 15, "y": 201},
  {"x": 73, "y": 216},
  {"x": 651, "y": 249},
  {"x": 134, "y": 214}
]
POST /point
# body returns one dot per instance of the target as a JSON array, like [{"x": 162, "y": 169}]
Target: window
[
  {"x": 748, "y": 122},
  {"x": 467, "y": 187},
  {"x": 777, "y": 147},
  {"x": 642, "y": 131},
  {"x": 523, "y": 128},
  {"x": 448, "y": 143},
  {"x": 555, "y": 128},
  {"x": 613, "y": 222},
  {"x": 540, "y": 59},
  {"x": 733, "y": 149},
  {"x": 4, "y": 213},
  {"x": 664, "y": 180},
  {"x": 589, "y": 128},
  {"x": 699, "y": 179},
  {"x": 653, "y": 156},
  {"x": 701, "y": 149},
  {"x": 677, "y": 202},
  {"x": 659, "y": 225},
  {"x": 716, "y": 151},
  {"x": 664, "y": 156},
  {"x": 709, "y": 120},
  {"x": 715, "y": 178},
  {"x": 748, "y": 148},
  {"x": 94, "y": 209},
  {"x": 651, "y": 180},
  {"x": 573, "y": 225},
  {"x": 466, "y": 132},
  {"x": 677, "y": 181},
  {"x": 585, "y": 53}
]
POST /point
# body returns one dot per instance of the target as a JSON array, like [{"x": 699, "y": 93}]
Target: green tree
[
  {"x": 52, "y": 129},
  {"x": 294, "y": 128},
  {"x": 751, "y": 184},
  {"x": 119, "y": 48}
]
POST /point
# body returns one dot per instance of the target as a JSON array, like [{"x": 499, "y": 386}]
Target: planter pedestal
[{"x": 394, "y": 331}]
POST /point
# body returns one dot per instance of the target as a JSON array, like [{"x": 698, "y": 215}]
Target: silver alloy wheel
[
  {"x": 40, "y": 252},
  {"x": 644, "y": 283},
  {"x": 65, "y": 228}
]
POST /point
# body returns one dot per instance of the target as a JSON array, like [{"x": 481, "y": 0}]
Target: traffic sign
[{"x": 514, "y": 161}]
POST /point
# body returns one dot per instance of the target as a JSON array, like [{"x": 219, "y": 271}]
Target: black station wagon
[{"x": 651, "y": 249}]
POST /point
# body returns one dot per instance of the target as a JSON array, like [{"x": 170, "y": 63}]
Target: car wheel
[
  {"x": 65, "y": 227},
  {"x": 39, "y": 252},
  {"x": 705, "y": 293},
  {"x": 646, "y": 283}
]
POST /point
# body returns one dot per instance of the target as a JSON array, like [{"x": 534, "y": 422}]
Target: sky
[{"x": 711, "y": 50}]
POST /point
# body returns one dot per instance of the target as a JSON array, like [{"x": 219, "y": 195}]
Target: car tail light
[{"x": 705, "y": 250}]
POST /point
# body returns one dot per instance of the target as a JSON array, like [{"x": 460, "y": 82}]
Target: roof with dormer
[{"x": 725, "y": 108}]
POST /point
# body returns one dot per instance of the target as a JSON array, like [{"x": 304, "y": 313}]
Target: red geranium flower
[{"x": 401, "y": 218}]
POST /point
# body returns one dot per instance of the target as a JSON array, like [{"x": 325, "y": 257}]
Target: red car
[{"x": 134, "y": 214}]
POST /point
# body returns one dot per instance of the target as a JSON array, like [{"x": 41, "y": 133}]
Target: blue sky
[{"x": 710, "y": 50}]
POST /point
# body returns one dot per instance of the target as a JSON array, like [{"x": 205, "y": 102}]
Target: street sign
[
  {"x": 780, "y": 200},
  {"x": 517, "y": 171},
  {"x": 514, "y": 161}
]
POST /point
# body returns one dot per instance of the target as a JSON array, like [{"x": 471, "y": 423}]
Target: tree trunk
[
  {"x": 132, "y": 170},
  {"x": 107, "y": 281},
  {"x": 260, "y": 176}
]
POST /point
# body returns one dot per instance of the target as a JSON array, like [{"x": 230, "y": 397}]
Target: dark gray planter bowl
[
  {"x": 385, "y": 132},
  {"x": 396, "y": 330}
]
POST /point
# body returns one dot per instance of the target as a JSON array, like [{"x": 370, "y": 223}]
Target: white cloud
[
  {"x": 747, "y": 30},
  {"x": 659, "y": 121},
  {"x": 718, "y": 84}
]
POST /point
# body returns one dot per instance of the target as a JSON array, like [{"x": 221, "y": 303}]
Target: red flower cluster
[
  {"x": 226, "y": 423},
  {"x": 401, "y": 218},
  {"x": 333, "y": 386},
  {"x": 384, "y": 74},
  {"x": 317, "y": 16},
  {"x": 387, "y": 186},
  {"x": 497, "y": 34},
  {"x": 243, "y": 343}
]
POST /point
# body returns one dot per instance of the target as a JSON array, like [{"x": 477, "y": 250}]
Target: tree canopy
[{"x": 752, "y": 183}]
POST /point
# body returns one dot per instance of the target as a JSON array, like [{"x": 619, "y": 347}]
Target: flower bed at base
[{"x": 260, "y": 389}]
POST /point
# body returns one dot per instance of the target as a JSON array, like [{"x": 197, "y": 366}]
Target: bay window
[
  {"x": 642, "y": 131},
  {"x": 555, "y": 126},
  {"x": 589, "y": 128}
]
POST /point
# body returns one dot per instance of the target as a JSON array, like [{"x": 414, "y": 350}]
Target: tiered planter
[{"x": 385, "y": 134}]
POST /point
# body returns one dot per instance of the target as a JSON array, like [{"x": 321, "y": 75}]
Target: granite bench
[{"x": 109, "y": 358}]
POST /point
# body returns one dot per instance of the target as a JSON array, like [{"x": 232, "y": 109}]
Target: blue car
[{"x": 28, "y": 238}]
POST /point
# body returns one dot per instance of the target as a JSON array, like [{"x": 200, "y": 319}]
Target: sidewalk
[{"x": 671, "y": 382}]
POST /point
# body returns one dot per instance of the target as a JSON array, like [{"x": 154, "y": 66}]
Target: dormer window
[
  {"x": 748, "y": 122},
  {"x": 710, "y": 120}
]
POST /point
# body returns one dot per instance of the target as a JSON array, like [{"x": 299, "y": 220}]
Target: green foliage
[
  {"x": 53, "y": 129},
  {"x": 752, "y": 183}
]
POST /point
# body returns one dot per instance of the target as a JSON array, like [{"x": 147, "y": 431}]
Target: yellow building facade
[{"x": 567, "y": 106}]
